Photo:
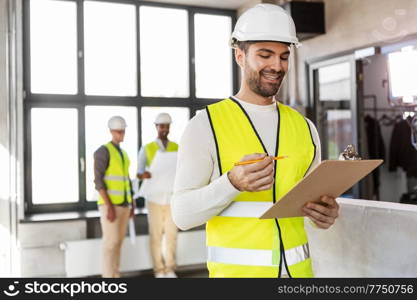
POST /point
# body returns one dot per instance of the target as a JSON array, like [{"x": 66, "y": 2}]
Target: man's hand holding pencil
[{"x": 253, "y": 173}]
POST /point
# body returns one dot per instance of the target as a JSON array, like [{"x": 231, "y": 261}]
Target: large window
[{"x": 87, "y": 60}]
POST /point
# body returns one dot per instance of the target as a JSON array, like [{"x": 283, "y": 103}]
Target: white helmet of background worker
[
  {"x": 265, "y": 22},
  {"x": 163, "y": 118},
  {"x": 117, "y": 123}
]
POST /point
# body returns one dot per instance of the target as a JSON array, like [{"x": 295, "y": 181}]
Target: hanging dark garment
[
  {"x": 402, "y": 153},
  {"x": 376, "y": 147}
]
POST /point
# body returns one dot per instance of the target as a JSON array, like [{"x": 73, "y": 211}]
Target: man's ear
[{"x": 240, "y": 57}]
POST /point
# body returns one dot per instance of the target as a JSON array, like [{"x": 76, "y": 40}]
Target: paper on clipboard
[
  {"x": 331, "y": 177},
  {"x": 162, "y": 170}
]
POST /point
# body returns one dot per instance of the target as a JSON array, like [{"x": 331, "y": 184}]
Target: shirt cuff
[{"x": 227, "y": 187}]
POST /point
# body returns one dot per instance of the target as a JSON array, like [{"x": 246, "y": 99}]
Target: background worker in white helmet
[
  {"x": 159, "y": 212},
  {"x": 251, "y": 125},
  {"x": 111, "y": 178}
]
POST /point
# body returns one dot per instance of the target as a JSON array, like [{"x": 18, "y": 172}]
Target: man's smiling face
[{"x": 266, "y": 64}]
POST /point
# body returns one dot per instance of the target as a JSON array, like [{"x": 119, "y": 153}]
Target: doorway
[{"x": 333, "y": 90}]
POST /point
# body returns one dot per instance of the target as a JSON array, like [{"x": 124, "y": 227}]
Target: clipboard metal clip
[{"x": 349, "y": 154}]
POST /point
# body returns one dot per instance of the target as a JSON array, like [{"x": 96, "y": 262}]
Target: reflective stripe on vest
[
  {"x": 256, "y": 257},
  {"x": 241, "y": 244},
  {"x": 246, "y": 209},
  {"x": 152, "y": 148},
  {"x": 115, "y": 193},
  {"x": 116, "y": 177}
]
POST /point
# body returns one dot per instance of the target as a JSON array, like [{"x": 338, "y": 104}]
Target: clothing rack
[{"x": 375, "y": 109}]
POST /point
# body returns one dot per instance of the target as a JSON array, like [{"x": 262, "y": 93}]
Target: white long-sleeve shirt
[{"x": 199, "y": 191}]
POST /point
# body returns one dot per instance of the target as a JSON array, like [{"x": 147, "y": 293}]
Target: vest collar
[
  {"x": 160, "y": 144},
  {"x": 256, "y": 107}
]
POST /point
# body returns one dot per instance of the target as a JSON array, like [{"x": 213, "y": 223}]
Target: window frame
[{"x": 81, "y": 100}]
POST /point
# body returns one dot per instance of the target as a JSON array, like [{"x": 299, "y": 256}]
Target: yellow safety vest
[
  {"x": 116, "y": 177},
  {"x": 239, "y": 243},
  {"x": 152, "y": 148}
]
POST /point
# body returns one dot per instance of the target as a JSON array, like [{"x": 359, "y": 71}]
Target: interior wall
[{"x": 248, "y": 4}]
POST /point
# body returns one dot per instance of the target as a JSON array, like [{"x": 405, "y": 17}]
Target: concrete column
[{"x": 11, "y": 148}]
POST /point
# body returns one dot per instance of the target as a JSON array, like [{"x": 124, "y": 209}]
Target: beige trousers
[
  {"x": 113, "y": 236},
  {"x": 160, "y": 223}
]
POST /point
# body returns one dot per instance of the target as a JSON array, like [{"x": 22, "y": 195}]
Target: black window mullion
[
  {"x": 26, "y": 48},
  {"x": 139, "y": 125},
  {"x": 139, "y": 95},
  {"x": 82, "y": 161},
  {"x": 138, "y": 52},
  {"x": 235, "y": 68},
  {"x": 28, "y": 158},
  {"x": 80, "y": 47},
  {"x": 191, "y": 54}
]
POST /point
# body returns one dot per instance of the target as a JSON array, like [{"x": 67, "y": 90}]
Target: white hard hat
[
  {"x": 117, "y": 123},
  {"x": 163, "y": 118},
  {"x": 265, "y": 22}
]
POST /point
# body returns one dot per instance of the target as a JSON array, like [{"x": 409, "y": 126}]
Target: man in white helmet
[
  {"x": 209, "y": 189},
  {"x": 159, "y": 211},
  {"x": 111, "y": 178}
]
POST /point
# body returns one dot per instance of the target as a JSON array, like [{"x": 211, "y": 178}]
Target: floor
[{"x": 195, "y": 271}]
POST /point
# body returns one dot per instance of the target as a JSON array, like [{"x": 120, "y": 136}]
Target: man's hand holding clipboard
[
  {"x": 324, "y": 213},
  {"x": 331, "y": 178}
]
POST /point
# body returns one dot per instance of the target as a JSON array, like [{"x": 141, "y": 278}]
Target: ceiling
[{"x": 225, "y": 4}]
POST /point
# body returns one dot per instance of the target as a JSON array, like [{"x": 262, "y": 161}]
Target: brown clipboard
[{"x": 331, "y": 177}]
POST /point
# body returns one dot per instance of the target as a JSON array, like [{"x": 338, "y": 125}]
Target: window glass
[
  {"x": 334, "y": 82},
  {"x": 54, "y": 155},
  {"x": 164, "y": 52},
  {"x": 110, "y": 49},
  {"x": 53, "y": 47},
  {"x": 213, "y": 56},
  {"x": 403, "y": 71}
]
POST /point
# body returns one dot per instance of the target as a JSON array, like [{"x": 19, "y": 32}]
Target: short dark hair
[{"x": 244, "y": 45}]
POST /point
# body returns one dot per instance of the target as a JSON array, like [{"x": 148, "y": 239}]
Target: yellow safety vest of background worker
[
  {"x": 159, "y": 212},
  {"x": 239, "y": 243},
  {"x": 111, "y": 176}
]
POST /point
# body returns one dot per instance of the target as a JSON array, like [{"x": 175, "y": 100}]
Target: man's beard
[
  {"x": 163, "y": 135},
  {"x": 264, "y": 89}
]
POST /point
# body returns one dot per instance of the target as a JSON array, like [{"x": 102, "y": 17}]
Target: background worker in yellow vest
[
  {"x": 159, "y": 212},
  {"x": 210, "y": 189},
  {"x": 111, "y": 177}
]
